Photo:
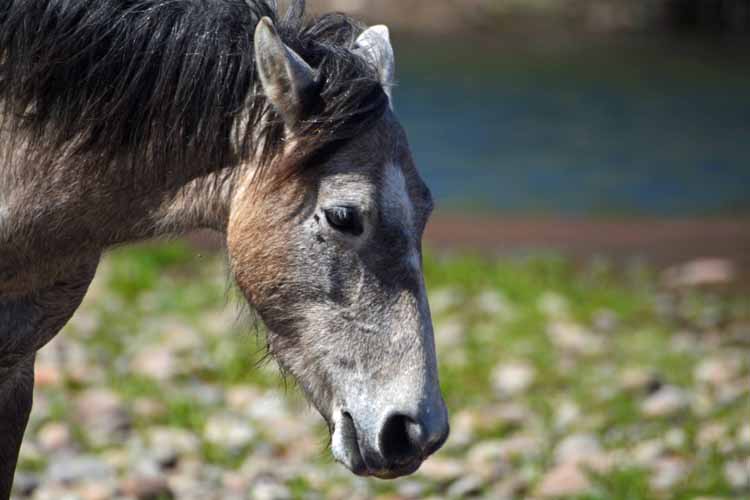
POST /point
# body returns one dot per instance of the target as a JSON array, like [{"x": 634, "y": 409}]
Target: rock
[
  {"x": 24, "y": 484},
  {"x": 47, "y": 375},
  {"x": 636, "y": 379},
  {"x": 701, "y": 272},
  {"x": 553, "y": 305},
  {"x": 149, "y": 409},
  {"x": 157, "y": 363},
  {"x": 147, "y": 488},
  {"x": 488, "y": 460},
  {"x": 228, "y": 431},
  {"x": 463, "y": 426},
  {"x": 675, "y": 438},
  {"x": 493, "y": 303},
  {"x": 465, "y": 487},
  {"x": 96, "y": 490},
  {"x": 566, "y": 415},
  {"x": 54, "y": 436},
  {"x": 169, "y": 444},
  {"x": 717, "y": 371},
  {"x": 445, "y": 299},
  {"x": 103, "y": 416},
  {"x": 449, "y": 334},
  {"x": 441, "y": 469},
  {"x": 574, "y": 338},
  {"x": 269, "y": 489},
  {"x": 410, "y": 489},
  {"x": 737, "y": 474},
  {"x": 647, "y": 452},
  {"x": 578, "y": 448},
  {"x": 76, "y": 468},
  {"x": 566, "y": 479},
  {"x": 666, "y": 402},
  {"x": 668, "y": 472},
  {"x": 512, "y": 379}
]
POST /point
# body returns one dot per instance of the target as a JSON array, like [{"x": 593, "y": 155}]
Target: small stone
[
  {"x": 169, "y": 444},
  {"x": 148, "y": 408},
  {"x": 449, "y": 334},
  {"x": 410, "y": 489},
  {"x": 96, "y": 490},
  {"x": 737, "y": 474},
  {"x": 668, "y": 472},
  {"x": 666, "y": 402},
  {"x": 147, "y": 488},
  {"x": 24, "y": 484},
  {"x": 54, "y": 436},
  {"x": 159, "y": 364},
  {"x": 512, "y": 379},
  {"x": 488, "y": 459},
  {"x": 228, "y": 431},
  {"x": 69, "y": 469},
  {"x": 701, "y": 272},
  {"x": 47, "y": 375},
  {"x": 675, "y": 438},
  {"x": 647, "y": 452},
  {"x": 444, "y": 299},
  {"x": 566, "y": 479},
  {"x": 493, "y": 303},
  {"x": 103, "y": 416},
  {"x": 441, "y": 469},
  {"x": 574, "y": 338},
  {"x": 636, "y": 379},
  {"x": 553, "y": 305},
  {"x": 567, "y": 413},
  {"x": 465, "y": 487},
  {"x": 578, "y": 448},
  {"x": 268, "y": 489},
  {"x": 717, "y": 371}
]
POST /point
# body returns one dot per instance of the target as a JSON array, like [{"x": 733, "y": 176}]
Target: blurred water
[{"x": 637, "y": 127}]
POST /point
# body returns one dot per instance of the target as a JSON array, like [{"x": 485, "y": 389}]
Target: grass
[{"x": 503, "y": 309}]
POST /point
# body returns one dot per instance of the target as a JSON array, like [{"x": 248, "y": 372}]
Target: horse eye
[{"x": 345, "y": 219}]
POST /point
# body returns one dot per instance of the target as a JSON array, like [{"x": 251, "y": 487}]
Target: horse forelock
[{"x": 160, "y": 85}]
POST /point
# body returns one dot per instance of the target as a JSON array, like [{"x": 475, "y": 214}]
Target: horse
[{"x": 125, "y": 120}]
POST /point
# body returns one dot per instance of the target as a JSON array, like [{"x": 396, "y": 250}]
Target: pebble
[
  {"x": 147, "y": 488},
  {"x": 668, "y": 472},
  {"x": 103, "y": 416},
  {"x": 578, "y": 448},
  {"x": 574, "y": 338},
  {"x": 268, "y": 489},
  {"x": 75, "y": 468},
  {"x": 465, "y": 487},
  {"x": 666, "y": 402},
  {"x": 228, "y": 431},
  {"x": 53, "y": 437},
  {"x": 737, "y": 474},
  {"x": 157, "y": 363},
  {"x": 441, "y": 469},
  {"x": 512, "y": 379},
  {"x": 717, "y": 371},
  {"x": 700, "y": 272},
  {"x": 566, "y": 479}
]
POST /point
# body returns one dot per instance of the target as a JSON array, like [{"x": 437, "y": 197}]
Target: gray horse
[{"x": 122, "y": 121}]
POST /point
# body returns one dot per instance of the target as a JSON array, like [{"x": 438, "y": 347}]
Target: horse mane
[{"x": 159, "y": 85}]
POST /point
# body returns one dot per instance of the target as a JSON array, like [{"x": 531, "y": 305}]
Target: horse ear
[
  {"x": 288, "y": 81},
  {"x": 374, "y": 44}
]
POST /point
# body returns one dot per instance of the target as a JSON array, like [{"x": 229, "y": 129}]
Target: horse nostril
[{"x": 400, "y": 439}]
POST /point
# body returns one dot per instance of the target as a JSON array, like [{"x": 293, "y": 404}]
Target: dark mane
[{"x": 157, "y": 84}]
